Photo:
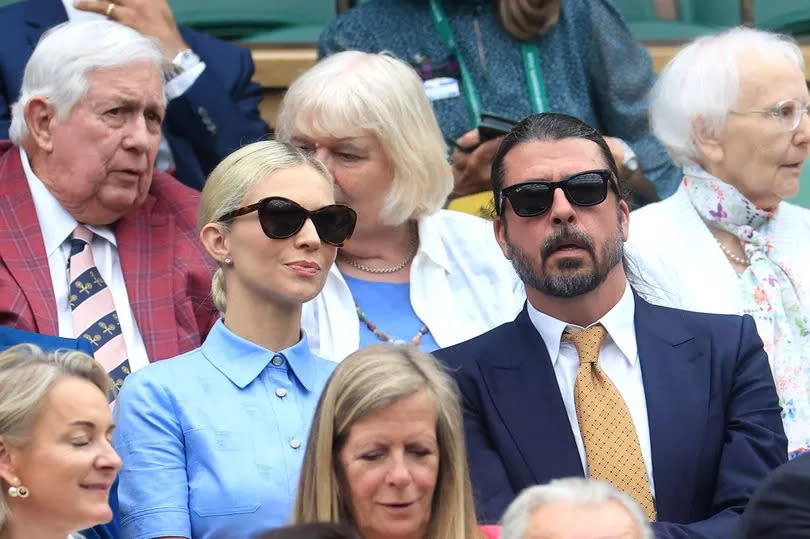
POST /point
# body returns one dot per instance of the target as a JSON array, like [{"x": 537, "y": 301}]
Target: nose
[
  {"x": 562, "y": 211},
  {"x": 324, "y": 156},
  {"x": 399, "y": 475},
  {"x": 802, "y": 133},
  {"x": 108, "y": 458},
  {"x": 307, "y": 237},
  {"x": 138, "y": 136}
]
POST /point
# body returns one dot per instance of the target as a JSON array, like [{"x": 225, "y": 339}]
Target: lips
[
  {"x": 304, "y": 267},
  {"x": 102, "y": 486}
]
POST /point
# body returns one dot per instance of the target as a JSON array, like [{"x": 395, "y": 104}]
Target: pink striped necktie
[{"x": 91, "y": 303}]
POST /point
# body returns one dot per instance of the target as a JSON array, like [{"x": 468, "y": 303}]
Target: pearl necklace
[
  {"x": 731, "y": 256},
  {"x": 392, "y": 269}
]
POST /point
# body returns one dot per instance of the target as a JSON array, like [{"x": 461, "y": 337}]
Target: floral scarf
[{"x": 768, "y": 295}]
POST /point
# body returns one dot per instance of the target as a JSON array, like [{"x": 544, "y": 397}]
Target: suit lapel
[
  {"x": 676, "y": 373},
  {"x": 146, "y": 251},
  {"x": 22, "y": 249},
  {"x": 524, "y": 390},
  {"x": 41, "y": 15}
]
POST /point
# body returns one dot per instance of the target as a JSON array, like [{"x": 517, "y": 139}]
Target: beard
[{"x": 570, "y": 277}]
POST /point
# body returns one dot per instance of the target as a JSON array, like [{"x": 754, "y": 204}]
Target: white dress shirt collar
[
  {"x": 55, "y": 222},
  {"x": 430, "y": 244},
  {"x": 619, "y": 322}
]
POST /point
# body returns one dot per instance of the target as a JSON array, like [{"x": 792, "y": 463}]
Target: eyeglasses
[
  {"x": 789, "y": 113},
  {"x": 282, "y": 218},
  {"x": 533, "y": 198}
]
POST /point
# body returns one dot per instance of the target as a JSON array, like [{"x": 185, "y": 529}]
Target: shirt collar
[
  {"x": 619, "y": 322},
  {"x": 242, "y": 361},
  {"x": 430, "y": 243},
  {"x": 56, "y": 223}
]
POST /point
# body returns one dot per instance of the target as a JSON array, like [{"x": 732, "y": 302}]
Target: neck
[
  {"x": 271, "y": 325},
  {"x": 383, "y": 247},
  {"x": 22, "y": 527},
  {"x": 585, "y": 309}
]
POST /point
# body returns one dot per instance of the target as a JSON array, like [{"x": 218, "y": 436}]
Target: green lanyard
[{"x": 531, "y": 66}]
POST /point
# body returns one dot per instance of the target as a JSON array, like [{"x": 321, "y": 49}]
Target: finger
[
  {"x": 95, "y": 6},
  {"x": 470, "y": 138}
]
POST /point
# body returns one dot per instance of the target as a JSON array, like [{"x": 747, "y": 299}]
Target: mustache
[{"x": 564, "y": 236}]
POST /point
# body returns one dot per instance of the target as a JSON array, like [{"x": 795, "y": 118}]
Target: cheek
[{"x": 426, "y": 475}]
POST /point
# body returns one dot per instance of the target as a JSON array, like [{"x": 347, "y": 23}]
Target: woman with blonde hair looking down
[
  {"x": 213, "y": 439},
  {"x": 413, "y": 272},
  {"x": 57, "y": 462},
  {"x": 386, "y": 450}
]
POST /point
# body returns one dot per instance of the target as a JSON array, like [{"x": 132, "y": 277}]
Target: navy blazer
[
  {"x": 11, "y": 336},
  {"x": 715, "y": 426},
  {"x": 215, "y": 116}
]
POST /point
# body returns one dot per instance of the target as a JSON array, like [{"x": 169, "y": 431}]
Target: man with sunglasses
[{"x": 677, "y": 409}]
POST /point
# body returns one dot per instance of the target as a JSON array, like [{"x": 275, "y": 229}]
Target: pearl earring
[{"x": 16, "y": 492}]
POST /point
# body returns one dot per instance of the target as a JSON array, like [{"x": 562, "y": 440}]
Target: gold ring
[{"x": 109, "y": 10}]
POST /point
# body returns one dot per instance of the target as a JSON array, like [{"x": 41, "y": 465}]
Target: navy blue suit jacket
[
  {"x": 11, "y": 336},
  {"x": 217, "y": 114},
  {"x": 715, "y": 426}
]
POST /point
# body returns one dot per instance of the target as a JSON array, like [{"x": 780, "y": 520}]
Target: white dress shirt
[
  {"x": 461, "y": 286},
  {"x": 57, "y": 225},
  {"x": 174, "y": 88},
  {"x": 618, "y": 358}
]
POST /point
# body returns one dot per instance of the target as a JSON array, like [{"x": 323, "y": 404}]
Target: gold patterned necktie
[{"x": 611, "y": 443}]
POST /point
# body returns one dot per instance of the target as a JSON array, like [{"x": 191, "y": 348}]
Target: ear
[
  {"x": 7, "y": 470},
  {"x": 499, "y": 226},
  {"x": 39, "y": 117},
  {"x": 624, "y": 219},
  {"x": 215, "y": 239},
  {"x": 707, "y": 141}
]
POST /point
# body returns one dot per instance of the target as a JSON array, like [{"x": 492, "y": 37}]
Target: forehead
[
  {"x": 551, "y": 160},
  {"x": 413, "y": 413},
  {"x": 139, "y": 81},
  {"x": 302, "y": 184},
  {"x": 73, "y": 399},
  {"x": 564, "y": 520},
  {"x": 764, "y": 81}
]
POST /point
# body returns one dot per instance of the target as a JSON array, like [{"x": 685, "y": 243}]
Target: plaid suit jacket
[{"x": 166, "y": 270}]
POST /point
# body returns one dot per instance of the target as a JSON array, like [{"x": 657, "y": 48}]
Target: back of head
[
  {"x": 549, "y": 126},
  {"x": 702, "y": 82},
  {"x": 315, "y": 530},
  {"x": 27, "y": 374},
  {"x": 64, "y": 57},
  {"x": 571, "y": 491},
  {"x": 372, "y": 379},
  {"x": 353, "y": 93},
  {"x": 235, "y": 177}
]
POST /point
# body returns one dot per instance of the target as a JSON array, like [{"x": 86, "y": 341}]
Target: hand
[
  {"x": 472, "y": 170},
  {"x": 616, "y": 149},
  {"x": 152, "y": 18}
]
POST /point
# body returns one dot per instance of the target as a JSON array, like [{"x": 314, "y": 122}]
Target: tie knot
[
  {"x": 81, "y": 236},
  {"x": 587, "y": 342}
]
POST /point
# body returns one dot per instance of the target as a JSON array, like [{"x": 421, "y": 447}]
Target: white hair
[
  {"x": 353, "y": 92},
  {"x": 571, "y": 490},
  {"x": 702, "y": 82},
  {"x": 66, "y": 54}
]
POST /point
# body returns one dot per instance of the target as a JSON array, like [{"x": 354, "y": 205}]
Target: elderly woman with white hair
[
  {"x": 412, "y": 271},
  {"x": 575, "y": 508},
  {"x": 731, "y": 108}
]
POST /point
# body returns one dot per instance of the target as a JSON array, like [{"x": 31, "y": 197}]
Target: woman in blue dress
[{"x": 213, "y": 439}]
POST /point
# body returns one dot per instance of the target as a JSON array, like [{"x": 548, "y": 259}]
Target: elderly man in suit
[
  {"x": 95, "y": 243},
  {"x": 213, "y": 106},
  {"x": 677, "y": 409}
]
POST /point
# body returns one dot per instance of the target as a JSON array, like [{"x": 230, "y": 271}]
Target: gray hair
[
  {"x": 27, "y": 375},
  {"x": 64, "y": 57},
  {"x": 355, "y": 92},
  {"x": 575, "y": 490},
  {"x": 702, "y": 82}
]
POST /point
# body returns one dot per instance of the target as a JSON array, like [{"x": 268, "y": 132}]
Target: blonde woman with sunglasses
[{"x": 214, "y": 439}]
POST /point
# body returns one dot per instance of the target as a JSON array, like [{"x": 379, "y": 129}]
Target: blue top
[
  {"x": 388, "y": 307},
  {"x": 592, "y": 67},
  {"x": 213, "y": 439}
]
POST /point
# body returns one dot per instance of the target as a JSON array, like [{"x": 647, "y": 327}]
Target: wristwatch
[
  {"x": 630, "y": 161},
  {"x": 185, "y": 60}
]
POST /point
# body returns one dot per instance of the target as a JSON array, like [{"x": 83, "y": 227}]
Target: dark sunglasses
[
  {"x": 282, "y": 218},
  {"x": 533, "y": 198}
]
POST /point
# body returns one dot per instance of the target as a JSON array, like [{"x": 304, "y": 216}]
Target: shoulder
[
  {"x": 163, "y": 376},
  {"x": 462, "y": 230},
  {"x": 793, "y": 215},
  {"x": 485, "y": 348}
]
